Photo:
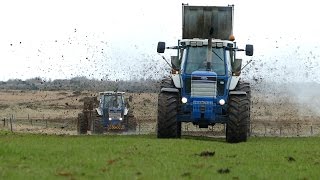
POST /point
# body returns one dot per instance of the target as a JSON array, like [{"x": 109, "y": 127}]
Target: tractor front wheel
[{"x": 131, "y": 122}]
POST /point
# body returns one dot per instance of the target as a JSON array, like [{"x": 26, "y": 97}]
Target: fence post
[
  {"x": 139, "y": 125},
  {"x": 4, "y": 122},
  {"x": 265, "y": 130},
  {"x": 280, "y": 131},
  {"x": 297, "y": 129},
  {"x": 29, "y": 119},
  {"x": 13, "y": 119},
  {"x": 11, "y": 123},
  {"x": 311, "y": 130},
  {"x": 44, "y": 120}
]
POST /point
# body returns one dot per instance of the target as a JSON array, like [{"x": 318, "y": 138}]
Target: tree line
[{"x": 81, "y": 84}]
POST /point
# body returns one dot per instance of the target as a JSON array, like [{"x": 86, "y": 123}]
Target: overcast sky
[{"x": 117, "y": 39}]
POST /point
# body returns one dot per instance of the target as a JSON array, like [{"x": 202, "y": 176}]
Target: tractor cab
[
  {"x": 111, "y": 100},
  {"x": 195, "y": 57}
]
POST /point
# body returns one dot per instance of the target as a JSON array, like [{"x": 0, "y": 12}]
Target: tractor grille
[
  {"x": 114, "y": 115},
  {"x": 203, "y": 86}
]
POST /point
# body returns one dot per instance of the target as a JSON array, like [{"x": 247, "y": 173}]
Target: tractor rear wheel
[
  {"x": 96, "y": 123},
  {"x": 167, "y": 83},
  {"x": 82, "y": 124},
  {"x": 131, "y": 122},
  {"x": 245, "y": 86},
  {"x": 167, "y": 124},
  {"x": 237, "y": 125}
]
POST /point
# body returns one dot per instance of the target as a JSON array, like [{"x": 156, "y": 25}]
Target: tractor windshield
[
  {"x": 197, "y": 60},
  {"x": 113, "y": 101}
]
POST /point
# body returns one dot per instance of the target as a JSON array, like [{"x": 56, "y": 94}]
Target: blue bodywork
[
  {"x": 114, "y": 121},
  {"x": 205, "y": 109},
  {"x": 113, "y": 111}
]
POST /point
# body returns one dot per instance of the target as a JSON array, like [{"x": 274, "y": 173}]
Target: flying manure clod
[{"x": 204, "y": 86}]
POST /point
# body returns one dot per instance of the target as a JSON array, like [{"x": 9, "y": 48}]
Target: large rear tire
[
  {"x": 237, "y": 125},
  {"x": 131, "y": 122},
  {"x": 167, "y": 83},
  {"x": 82, "y": 124},
  {"x": 167, "y": 124},
  {"x": 88, "y": 107},
  {"x": 245, "y": 86}
]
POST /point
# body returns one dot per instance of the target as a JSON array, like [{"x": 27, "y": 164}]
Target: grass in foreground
[{"x": 29, "y": 156}]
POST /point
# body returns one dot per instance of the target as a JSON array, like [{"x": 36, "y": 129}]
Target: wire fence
[
  {"x": 308, "y": 126},
  {"x": 38, "y": 124},
  {"x": 285, "y": 128}
]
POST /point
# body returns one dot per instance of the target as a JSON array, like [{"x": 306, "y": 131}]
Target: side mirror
[
  {"x": 161, "y": 47},
  {"x": 249, "y": 50}
]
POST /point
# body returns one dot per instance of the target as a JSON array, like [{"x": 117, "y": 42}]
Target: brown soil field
[
  {"x": 271, "y": 113},
  {"x": 55, "y": 112},
  {"x": 64, "y": 104}
]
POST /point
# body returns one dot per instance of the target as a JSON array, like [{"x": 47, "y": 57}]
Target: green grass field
[{"x": 29, "y": 156}]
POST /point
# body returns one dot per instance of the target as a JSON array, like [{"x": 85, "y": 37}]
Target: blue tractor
[
  {"x": 109, "y": 112},
  {"x": 204, "y": 86}
]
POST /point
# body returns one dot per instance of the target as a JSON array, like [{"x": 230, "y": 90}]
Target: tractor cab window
[
  {"x": 197, "y": 60},
  {"x": 113, "y": 101}
]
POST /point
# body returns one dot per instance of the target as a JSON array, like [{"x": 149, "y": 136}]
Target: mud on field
[{"x": 277, "y": 110}]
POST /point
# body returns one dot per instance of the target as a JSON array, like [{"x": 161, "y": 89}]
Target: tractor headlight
[
  {"x": 110, "y": 119},
  {"x": 184, "y": 100},
  {"x": 120, "y": 119},
  {"x": 222, "y": 102}
]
